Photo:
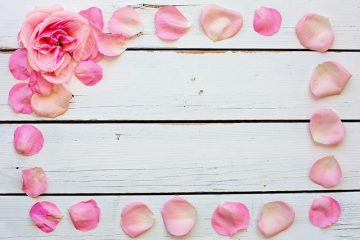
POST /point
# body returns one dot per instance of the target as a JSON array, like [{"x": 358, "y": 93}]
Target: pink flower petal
[
  {"x": 45, "y": 215},
  {"x": 34, "y": 181},
  {"x": 94, "y": 16},
  {"x": 179, "y": 216},
  {"x": 54, "y": 104},
  {"x": 275, "y": 217},
  {"x": 39, "y": 85},
  {"x": 229, "y": 218},
  {"x": 28, "y": 140},
  {"x": 315, "y": 32},
  {"x": 136, "y": 218},
  {"x": 88, "y": 72},
  {"x": 324, "y": 212},
  {"x": 267, "y": 21},
  {"x": 326, "y": 172},
  {"x": 170, "y": 24},
  {"x": 110, "y": 44},
  {"x": 20, "y": 97},
  {"x": 326, "y": 127},
  {"x": 18, "y": 64},
  {"x": 220, "y": 23},
  {"x": 329, "y": 78},
  {"x": 125, "y": 22},
  {"x": 85, "y": 215}
]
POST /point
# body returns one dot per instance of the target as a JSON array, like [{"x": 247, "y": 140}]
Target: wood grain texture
[{"x": 344, "y": 17}]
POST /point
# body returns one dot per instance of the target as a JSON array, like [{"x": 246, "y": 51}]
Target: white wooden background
[{"x": 210, "y": 121}]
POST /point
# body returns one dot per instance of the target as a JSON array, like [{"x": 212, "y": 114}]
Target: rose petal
[
  {"x": 326, "y": 127},
  {"x": 45, "y": 215},
  {"x": 54, "y": 104},
  {"x": 170, "y": 24},
  {"x": 329, "y": 78},
  {"x": 85, "y": 215},
  {"x": 315, "y": 32},
  {"x": 229, "y": 218},
  {"x": 125, "y": 22},
  {"x": 324, "y": 211},
  {"x": 94, "y": 16},
  {"x": 34, "y": 181},
  {"x": 110, "y": 44},
  {"x": 326, "y": 172},
  {"x": 220, "y": 23},
  {"x": 39, "y": 85},
  {"x": 136, "y": 218},
  {"x": 275, "y": 217},
  {"x": 267, "y": 21},
  {"x": 179, "y": 216},
  {"x": 20, "y": 97},
  {"x": 18, "y": 64},
  {"x": 88, "y": 72},
  {"x": 28, "y": 140}
]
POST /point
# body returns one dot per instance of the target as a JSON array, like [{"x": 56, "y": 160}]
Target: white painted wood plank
[
  {"x": 143, "y": 158},
  {"x": 16, "y": 224},
  {"x": 344, "y": 16},
  {"x": 149, "y": 85}
]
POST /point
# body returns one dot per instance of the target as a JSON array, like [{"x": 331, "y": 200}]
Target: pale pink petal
[
  {"x": 179, "y": 216},
  {"x": 329, "y": 78},
  {"x": 326, "y": 127},
  {"x": 61, "y": 75},
  {"x": 267, "y": 21},
  {"x": 315, "y": 32},
  {"x": 324, "y": 211},
  {"x": 94, "y": 16},
  {"x": 229, "y": 218},
  {"x": 45, "y": 215},
  {"x": 18, "y": 64},
  {"x": 34, "y": 181},
  {"x": 110, "y": 44},
  {"x": 28, "y": 140},
  {"x": 136, "y": 218},
  {"x": 19, "y": 98},
  {"x": 326, "y": 172},
  {"x": 220, "y": 23},
  {"x": 125, "y": 22},
  {"x": 54, "y": 104},
  {"x": 85, "y": 215},
  {"x": 170, "y": 23},
  {"x": 88, "y": 72},
  {"x": 275, "y": 217},
  {"x": 39, "y": 85}
]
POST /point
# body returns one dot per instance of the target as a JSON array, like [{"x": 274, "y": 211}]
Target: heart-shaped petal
[
  {"x": 315, "y": 32},
  {"x": 267, "y": 21},
  {"x": 170, "y": 23},
  {"x": 94, "y": 16},
  {"x": 275, "y": 217},
  {"x": 18, "y": 64},
  {"x": 28, "y": 140},
  {"x": 326, "y": 127},
  {"x": 324, "y": 211},
  {"x": 220, "y": 23},
  {"x": 136, "y": 218},
  {"x": 34, "y": 181},
  {"x": 326, "y": 172},
  {"x": 45, "y": 215},
  {"x": 88, "y": 72},
  {"x": 329, "y": 78},
  {"x": 229, "y": 218},
  {"x": 125, "y": 22},
  {"x": 179, "y": 216},
  {"x": 85, "y": 215},
  {"x": 19, "y": 98},
  {"x": 110, "y": 45}
]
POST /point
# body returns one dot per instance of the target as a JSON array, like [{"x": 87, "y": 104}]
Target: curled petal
[
  {"x": 179, "y": 216},
  {"x": 220, "y": 23},
  {"x": 34, "y": 181},
  {"x": 170, "y": 24},
  {"x": 136, "y": 218},
  {"x": 315, "y": 32},
  {"x": 88, "y": 72},
  {"x": 18, "y": 64},
  {"x": 20, "y": 97},
  {"x": 94, "y": 16},
  {"x": 324, "y": 212},
  {"x": 46, "y": 216},
  {"x": 54, "y": 104},
  {"x": 329, "y": 78},
  {"x": 229, "y": 218},
  {"x": 326, "y": 172},
  {"x": 267, "y": 21},
  {"x": 85, "y": 215},
  {"x": 275, "y": 217},
  {"x": 125, "y": 22},
  {"x": 39, "y": 85},
  {"x": 28, "y": 140},
  {"x": 110, "y": 44},
  {"x": 326, "y": 127}
]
